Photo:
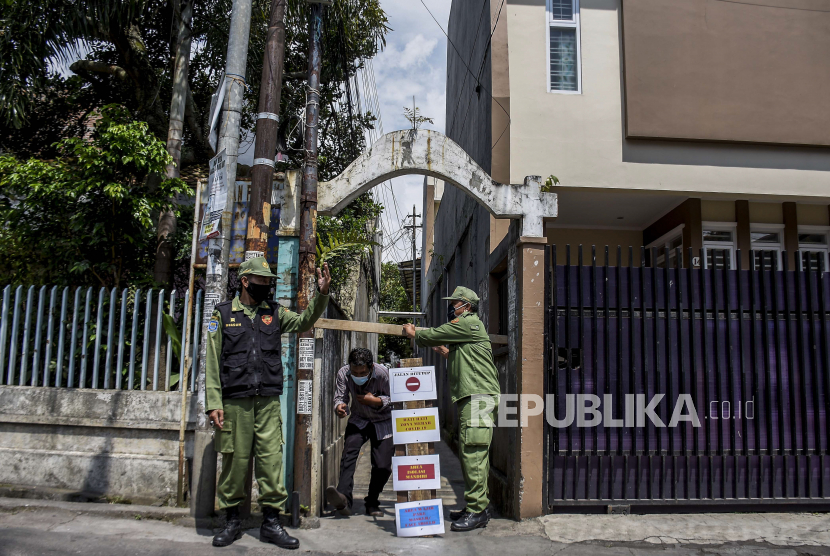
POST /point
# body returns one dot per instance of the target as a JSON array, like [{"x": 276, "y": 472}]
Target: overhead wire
[{"x": 470, "y": 71}]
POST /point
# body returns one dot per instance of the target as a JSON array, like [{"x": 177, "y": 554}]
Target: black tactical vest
[{"x": 251, "y": 362}]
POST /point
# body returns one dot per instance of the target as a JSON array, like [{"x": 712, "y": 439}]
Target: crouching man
[
  {"x": 367, "y": 384},
  {"x": 243, "y": 383}
]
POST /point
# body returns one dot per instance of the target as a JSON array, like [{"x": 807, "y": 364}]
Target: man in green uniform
[
  {"x": 471, "y": 373},
  {"x": 243, "y": 383}
]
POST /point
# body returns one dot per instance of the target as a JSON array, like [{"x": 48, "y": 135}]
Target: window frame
[
  {"x": 732, "y": 228},
  {"x": 664, "y": 241},
  {"x": 563, "y": 24},
  {"x": 810, "y": 248},
  {"x": 769, "y": 228}
]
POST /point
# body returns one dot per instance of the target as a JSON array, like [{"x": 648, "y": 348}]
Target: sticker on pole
[
  {"x": 211, "y": 301},
  {"x": 424, "y": 517},
  {"x": 304, "y": 400},
  {"x": 306, "y": 362},
  {"x": 412, "y": 383},
  {"x": 410, "y": 426},
  {"x": 416, "y": 473},
  {"x": 218, "y": 199}
]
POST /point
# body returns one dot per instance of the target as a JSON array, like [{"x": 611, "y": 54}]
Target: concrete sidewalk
[{"x": 49, "y": 527}]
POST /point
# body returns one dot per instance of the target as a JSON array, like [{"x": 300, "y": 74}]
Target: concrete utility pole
[
  {"x": 216, "y": 278},
  {"x": 267, "y": 125},
  {"x": 308, "y": 255}
]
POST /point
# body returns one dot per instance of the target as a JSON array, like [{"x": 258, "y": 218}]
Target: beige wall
[
  {"x": 561, "y": 237},
  {"x": 579, "y": 138}
]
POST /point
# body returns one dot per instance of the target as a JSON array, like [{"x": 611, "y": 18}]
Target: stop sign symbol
[{"x": 412, "y": 384}]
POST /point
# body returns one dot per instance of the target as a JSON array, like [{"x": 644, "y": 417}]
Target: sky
[{"x": 413, "y": 63}]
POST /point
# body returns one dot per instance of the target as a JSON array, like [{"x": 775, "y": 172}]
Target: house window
[
  {"x": 563, "y": 46},
  {"x": 719, "y": 246},
  {"x": 813, "y": 244},
  {"x": 766, "y": 248},
  {"x": 672, "y": 241}
]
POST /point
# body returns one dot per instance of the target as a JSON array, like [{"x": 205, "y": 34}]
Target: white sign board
[
  {"x": 304, "y": 400},
  {"x": 218, "y": 199},
  {"x": 424, "y": 517},
  {"x": 415, "y": 425},
  {"x": 416, "y": 473},
  {"x": 306, "y": 362},
  {"x": 412, "y": 383}
]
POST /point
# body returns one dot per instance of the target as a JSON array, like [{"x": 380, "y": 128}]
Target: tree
[
  {"x": 87, "y": 217},
  {"x": 393, "y": 297}
]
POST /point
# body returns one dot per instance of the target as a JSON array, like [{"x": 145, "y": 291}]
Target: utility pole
[
  {"x": 415, "y": 308},
  {"x": 216, "y": 277},
  {"x": 413, "y": 216},
  {"x": 308, "y": 253},
  {"x": 267, "y": 125}
]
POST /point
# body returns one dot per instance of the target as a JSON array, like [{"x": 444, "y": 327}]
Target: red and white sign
[
  {"x": 413, "y": 383},
  {"x": 416, "y": 473}
]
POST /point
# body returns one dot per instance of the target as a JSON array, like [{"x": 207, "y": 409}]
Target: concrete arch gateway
[{"x": 430, "y": 153}]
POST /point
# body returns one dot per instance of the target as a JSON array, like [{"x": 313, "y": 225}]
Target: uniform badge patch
[
  {"x": 454, "y": 321},
  {"x": 266, "y": 319},
  {"x": 213, "y": 325}
]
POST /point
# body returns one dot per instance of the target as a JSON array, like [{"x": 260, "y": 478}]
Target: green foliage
[
  {"x": 341, "y": 242},
  {"x": 549, "y": 184},
  {"x": 393, "y": 297},
  {"x": 354, "y": 229},
  {"x": 415, "y": 117},
  {"x": 175, "y": 341},
  {"x": 88, "y": 217}
]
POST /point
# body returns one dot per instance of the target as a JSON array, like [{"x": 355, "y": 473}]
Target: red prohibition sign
[{"x": 412, "y": 384}]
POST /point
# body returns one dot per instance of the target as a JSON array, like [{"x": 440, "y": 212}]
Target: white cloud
[{"x": 414, "y": 63}]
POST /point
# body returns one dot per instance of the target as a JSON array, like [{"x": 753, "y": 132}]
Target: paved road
[{"x": 57, "y": 530}]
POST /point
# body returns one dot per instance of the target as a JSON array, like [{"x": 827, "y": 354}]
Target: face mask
[
  {"x": 451, "y": 312},
  {"x": 258, "y": 292},
  {"x": 361, "y": 380}
]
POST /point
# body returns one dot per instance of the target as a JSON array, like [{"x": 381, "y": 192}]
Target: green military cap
[
  {"x": 464, "y": 294},
  {"x": 257, "y": 266}
]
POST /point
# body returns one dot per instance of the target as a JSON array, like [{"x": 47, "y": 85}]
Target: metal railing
[{"x": 68, "y": 338}]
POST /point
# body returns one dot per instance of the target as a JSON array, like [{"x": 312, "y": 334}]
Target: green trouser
[
  {"x": 253, "y": 427},
  {"x": 474, "y": 453}
]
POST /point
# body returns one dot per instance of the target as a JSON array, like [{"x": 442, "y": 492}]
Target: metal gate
[{"x": 742, "y": 352}]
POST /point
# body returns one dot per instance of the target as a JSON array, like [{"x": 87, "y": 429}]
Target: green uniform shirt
[
  {"x": 289, "y": 322},
  {"x": 470, "y": 364}
]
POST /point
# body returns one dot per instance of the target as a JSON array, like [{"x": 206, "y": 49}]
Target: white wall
[{"x": 579, "y": 138}]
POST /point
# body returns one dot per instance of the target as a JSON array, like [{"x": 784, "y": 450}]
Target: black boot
[
  {"x": 470, "y": 521},
  {"x": 272, "y": 531},
  {"x": 232, "y": 530},
  {"x": 455, "y": 515}
]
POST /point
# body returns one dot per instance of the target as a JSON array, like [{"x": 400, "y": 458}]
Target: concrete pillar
[
  {"x": 530, "y": 374},
  {"x": 790, "y": 231},
  {"x": 203, "y": 477},
  {"x": 693, "y": 230},
  {"x": 744, "y": 235}
]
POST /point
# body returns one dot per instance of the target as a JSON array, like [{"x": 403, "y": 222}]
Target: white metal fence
[{"x": 72, "y": 338}]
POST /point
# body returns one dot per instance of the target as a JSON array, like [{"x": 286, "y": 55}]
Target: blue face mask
[{"x": 361, "y": 380}]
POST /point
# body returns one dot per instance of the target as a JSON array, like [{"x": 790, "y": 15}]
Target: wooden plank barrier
[{"x": 383, "y": 328}]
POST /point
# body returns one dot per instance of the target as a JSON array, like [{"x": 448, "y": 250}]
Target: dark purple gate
[{"x": 747, "y": 348}]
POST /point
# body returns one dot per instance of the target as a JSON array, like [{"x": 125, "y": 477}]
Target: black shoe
[
  {"x": 373, "y": 510},
  {"x": 455, "y": 515},
  {"x": 470, "y": 521},
  {"x": 338, "y": 500},
  {"x": 273, "y": 532},
  {"x": 232, "y": 530}
]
